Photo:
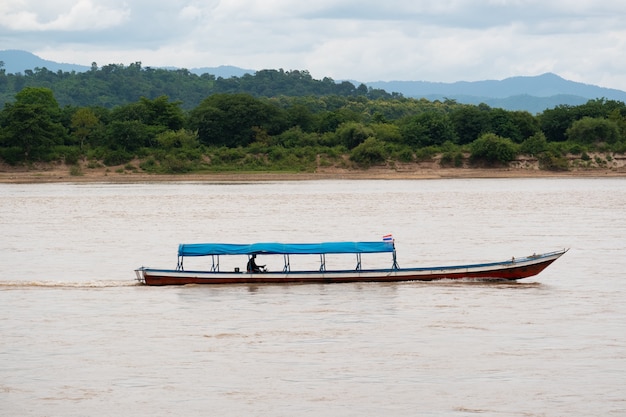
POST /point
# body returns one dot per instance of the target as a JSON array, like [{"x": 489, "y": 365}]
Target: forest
[{"x": 172, "y": 121}]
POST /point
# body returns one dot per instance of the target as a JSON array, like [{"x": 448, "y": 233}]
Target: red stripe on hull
[{"x": 506, "y": 273}]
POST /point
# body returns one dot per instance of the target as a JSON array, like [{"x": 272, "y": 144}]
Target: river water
[{"x": 79, "y": 337}]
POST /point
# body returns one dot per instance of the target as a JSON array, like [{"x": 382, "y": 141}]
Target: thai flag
[{"x": 388, "y": 238}]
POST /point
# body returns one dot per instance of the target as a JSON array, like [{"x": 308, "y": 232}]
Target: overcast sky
[{"x": 363, "y": 40}]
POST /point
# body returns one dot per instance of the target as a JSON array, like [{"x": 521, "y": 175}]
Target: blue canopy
[{"x": 205, "y": 249}]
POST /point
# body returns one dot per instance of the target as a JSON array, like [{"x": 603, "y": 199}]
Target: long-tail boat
[{"x": 511, "y": 269}]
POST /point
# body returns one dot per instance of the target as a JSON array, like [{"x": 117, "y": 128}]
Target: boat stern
[{"x": 140, "y": 276}]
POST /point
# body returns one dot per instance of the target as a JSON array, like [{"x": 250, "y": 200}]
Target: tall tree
[
  {"x": 593, "y": 130},
  {"x": 84, "y": 122},
  {"x": 470, "y": 122},
  {"x": 232, "y": 119},
  {"x": 32, "y": 122},
  {"x": 554, "y": 122},
  {"x": 427, "y": 129}
]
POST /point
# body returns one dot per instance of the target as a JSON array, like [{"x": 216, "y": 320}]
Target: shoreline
[{"x": 61, "y": 174}]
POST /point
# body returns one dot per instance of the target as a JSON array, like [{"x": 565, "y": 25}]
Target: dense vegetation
[
  {"x": 115, "y": 84},
  {"x": 174, "y": 121}
]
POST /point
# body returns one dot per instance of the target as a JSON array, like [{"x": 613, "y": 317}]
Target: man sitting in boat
[{"x": 252, "y": 266}]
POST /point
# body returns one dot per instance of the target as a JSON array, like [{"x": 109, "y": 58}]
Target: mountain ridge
[
  {"x": 530, "y": 93},
  {"x": 544, "y": 85},
  {"x": 18, "y": 61}
]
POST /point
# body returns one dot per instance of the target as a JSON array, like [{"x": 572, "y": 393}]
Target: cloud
[
  {"x": 365, "y": 40},
  {"x": 70, "y": 16}
]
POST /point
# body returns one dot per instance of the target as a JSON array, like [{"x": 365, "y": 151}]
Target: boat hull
[{"x": 513, "y": 269}]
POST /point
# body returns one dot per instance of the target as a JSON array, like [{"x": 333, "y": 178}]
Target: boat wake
[
  {"x": 134, "y": 283},
  {"x": 67, "y": 284},
  {"x": 485, "y": 282}
]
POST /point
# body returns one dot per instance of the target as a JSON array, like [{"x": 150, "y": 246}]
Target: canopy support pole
[
  {"x": 287, "y": 266},
  {"x": 215, "y": 267},
  {"x": 395, "y": 261}
]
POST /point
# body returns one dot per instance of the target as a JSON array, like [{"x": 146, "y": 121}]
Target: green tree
[
  {"x": 351, "y": 134},
  {"x": 178, "y": 139},
  {"x": 503, "y": 124},
  {"x": 128, "y": 135},
  {"x": 84, "y": 122},
  {"x": 159, "y": 112},
  {"x": 330, "y": 120},
  {"x": 32, "y": 122},
  {"x": 469, "y": 122},
  {"x": 492, "y": 149},
  {"x": 371, "y": 151},
  {"x": 598, "y": 108},
  {"x": 619, "y": 117},
  {"x": 232, "y": 119},
  {"x": 300, "y": 115},
  {"x": 162, "y": 112},
  {"x": 427, "y": 129},
  {"x": 526, "y": 124},
  {"x": 554, "y": 122},
  {"x": 137, "y": 124},
  {"x": 295, "y": 137},
  {"x": 589, "y": 130},
  {"x": 534, "y": 145},
  {"x": 387, "y": 132}
]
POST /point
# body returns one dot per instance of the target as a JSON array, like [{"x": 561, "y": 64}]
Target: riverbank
[{"x": 51, "y": 173}]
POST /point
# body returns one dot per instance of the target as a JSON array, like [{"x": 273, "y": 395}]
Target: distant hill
[
  {"x": 530, "y": 93},
  {"x": 525, "y": 102},
  {"x": 544, "y": 85},
  {"x": 224, "y": 71},
  {"x": 19, "y": 61},
  {"x": 534, "y": 94}
]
